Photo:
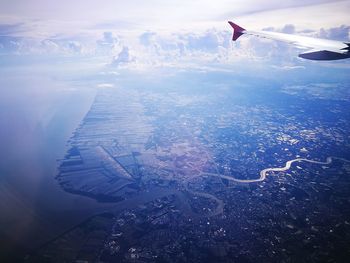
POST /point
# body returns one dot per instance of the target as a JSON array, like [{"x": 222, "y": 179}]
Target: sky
[
  {"x": 159, "y": 13},
  {"x": 155, "y": 33}
]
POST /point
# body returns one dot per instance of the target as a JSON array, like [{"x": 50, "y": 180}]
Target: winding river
[{"x": 263, "y": 174}]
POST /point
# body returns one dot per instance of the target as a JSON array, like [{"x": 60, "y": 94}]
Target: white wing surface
[{"x": 318, "y": 49}]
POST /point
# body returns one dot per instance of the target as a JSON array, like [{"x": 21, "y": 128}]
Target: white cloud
[
  {"x": 163, "y": 30},
  {"x": 108, "y": 43},
  {"x": 195, "y": 49},
  {"x": 105, "y": 85},
  {"x": 288, "y": 67},
  {"x": 162, "y": 48},
  {"x": 123, "y": 57},
  {"x": 337, "y": 33},
  {"x": 75, "y": 46}
]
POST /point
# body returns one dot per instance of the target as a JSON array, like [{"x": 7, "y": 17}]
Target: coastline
[{"x": 44, "y": 113}]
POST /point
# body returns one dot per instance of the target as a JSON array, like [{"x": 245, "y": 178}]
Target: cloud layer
[
  {"x": 157, "y": 33},
  {"x": 156, "y": 49}
]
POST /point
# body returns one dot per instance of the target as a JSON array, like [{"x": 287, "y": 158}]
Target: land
[{"x": 185, "y": 146}]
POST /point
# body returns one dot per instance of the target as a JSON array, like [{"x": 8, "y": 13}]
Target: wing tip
[{"x": 237, "y": 30}]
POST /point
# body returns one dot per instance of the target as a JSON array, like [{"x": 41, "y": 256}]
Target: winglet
[{"x": 237, "y": 30}]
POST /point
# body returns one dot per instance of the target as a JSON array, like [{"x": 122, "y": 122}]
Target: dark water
[{"x": 37, "y": 116}]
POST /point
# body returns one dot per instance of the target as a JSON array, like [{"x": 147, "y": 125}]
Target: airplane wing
[{"x": 318, "y": 49}]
